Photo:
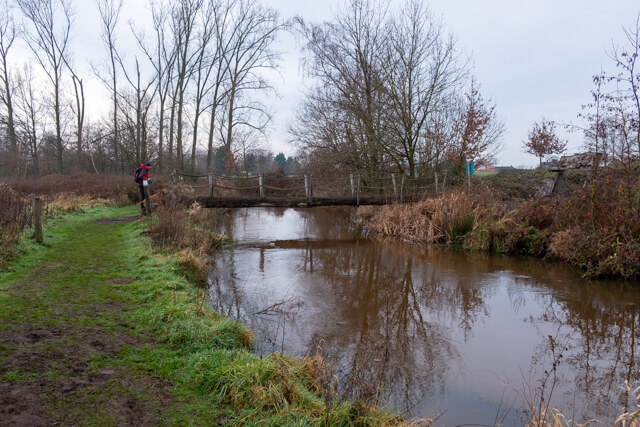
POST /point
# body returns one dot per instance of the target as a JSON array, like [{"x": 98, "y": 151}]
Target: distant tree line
[{"x": 187, "y": 94}]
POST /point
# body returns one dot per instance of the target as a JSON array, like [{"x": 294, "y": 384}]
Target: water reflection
[{"x": 423, "y": 329}]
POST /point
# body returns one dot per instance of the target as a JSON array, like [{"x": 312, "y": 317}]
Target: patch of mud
[
  {"x": 22, "y": 405},
  {"x": 69, "y": 351},
  {"x": 123, "y": 219}
]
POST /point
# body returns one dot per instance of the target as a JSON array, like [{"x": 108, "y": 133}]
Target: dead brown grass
[
  {"x": 192, "y": 228},
  {"x": 15, "y": 216},
  {"x": 630, "y": 418},
  {"x": 436, "y": 220}
]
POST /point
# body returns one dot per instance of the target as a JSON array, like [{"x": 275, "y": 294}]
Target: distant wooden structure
[
  {"x": 306, "y": 190},
  {"x": 580, "y": 161}
]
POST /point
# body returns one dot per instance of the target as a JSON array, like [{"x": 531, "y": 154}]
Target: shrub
[
  {"x": 178, "y": 228},
  {"x": 15, "y": 216}
]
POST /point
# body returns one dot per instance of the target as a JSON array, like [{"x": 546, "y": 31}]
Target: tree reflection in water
[{"x": 422, "y": 329}]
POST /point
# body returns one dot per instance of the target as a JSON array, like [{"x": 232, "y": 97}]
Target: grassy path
[
  {"x": 66, "y": 319},
  {"x": 95, "y": 329}
]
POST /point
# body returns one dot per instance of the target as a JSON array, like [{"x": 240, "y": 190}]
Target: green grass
[{"x": 118, "y": 326}]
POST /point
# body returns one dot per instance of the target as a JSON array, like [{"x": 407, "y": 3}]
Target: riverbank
[
  {"x": 592, "y": 226},
  {"x": 97, "y": 328}
]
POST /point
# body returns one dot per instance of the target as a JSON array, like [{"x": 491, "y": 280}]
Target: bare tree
[
  {"x": 30, "y": 124},
  {"x": 8, "y": 35},
  {"x": 345, "y": 61},
  {"x": 223, "y": 24},
  {"x": 204, "y": 64},
  {"x": 596, "y": 115},
  {"x": 109, "y": 15},
  {"x": 388, "y": 92},
  {"x": 421, "y": 68},
  {"x": 251, "y": 52},
  {"x": 628, "y": 61},
  {"x": 137, "y": 102},
  {"x": 79, "y": 109},
  {"x": 543, "y": 141},
  {"x": 162, "y": 55},
  {"x": 48, "y": 38},
  {"x": 183, "y": 25}
]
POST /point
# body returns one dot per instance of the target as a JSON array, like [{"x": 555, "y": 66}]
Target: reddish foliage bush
[
  {"x": 15, "y": 216},
  {"x": 603, "y": 219}
]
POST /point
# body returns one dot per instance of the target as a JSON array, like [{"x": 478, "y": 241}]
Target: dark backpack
[{"x": 137, "y": 176}]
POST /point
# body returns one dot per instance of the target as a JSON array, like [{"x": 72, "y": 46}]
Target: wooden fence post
[
  {"x": 147, "y": 202},
  {"x": 310, "y": 190},
  {"x": 395, "y": 189},
  {"x": 353, "y": 188},
  {"x": 261, "y": 183},
  {"x": 211, "y": 184},
  {"x": 358, "y": 192},
  {"x": 37, "y": 219},
  {"x": 401, "y": 188},
  {"x": 306, "y": 186},
  {"x": 436, "y": 182}
]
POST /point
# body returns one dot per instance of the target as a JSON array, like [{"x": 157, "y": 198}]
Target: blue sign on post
[{"x": 470, "y": 168}]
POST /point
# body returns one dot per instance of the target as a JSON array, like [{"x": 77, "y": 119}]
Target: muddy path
[{"x": 64, "y": 326}]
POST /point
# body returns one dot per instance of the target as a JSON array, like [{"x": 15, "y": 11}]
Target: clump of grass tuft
[
  {"x": 194, "y": 268},
  {"x": 193, "y": 228}
]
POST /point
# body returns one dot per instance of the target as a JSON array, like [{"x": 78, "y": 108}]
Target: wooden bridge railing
[{"x": 308, "y": 189}]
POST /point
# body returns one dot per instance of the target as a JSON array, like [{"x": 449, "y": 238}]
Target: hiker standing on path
[{"x": 142, "y": 175}]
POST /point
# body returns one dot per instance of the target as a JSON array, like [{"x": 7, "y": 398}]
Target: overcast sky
[{"x": 534, "y": 58}]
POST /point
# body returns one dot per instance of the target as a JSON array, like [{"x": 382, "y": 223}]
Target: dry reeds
[
  {"x": 437, "y": 220},
  {"x": 630, "y": 419},
  {"x": 193, "y": 229}
]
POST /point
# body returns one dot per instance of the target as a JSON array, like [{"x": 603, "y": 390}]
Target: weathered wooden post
[
  {"x": 401, "y": 188},
  {"x": 395, "y": 189},
  {"x": 353, "y": 188},
  {"x": 310, "y": 190},
  {"x": 358, "y": 192},
  {"x": 436, "y": 182},
  {"x": 211, "y": 184},
  {"x": 37, "y": 219},
  {"x": 306, "y": 186},
  {"x": 261, "y": 184},
  {"x": 147, "y": 202}
]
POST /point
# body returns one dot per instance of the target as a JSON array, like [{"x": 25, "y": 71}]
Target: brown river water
[{"x": 428, "y": 330}]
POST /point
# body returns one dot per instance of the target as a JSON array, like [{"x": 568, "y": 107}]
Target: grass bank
[{"x": 98, "y": 329}]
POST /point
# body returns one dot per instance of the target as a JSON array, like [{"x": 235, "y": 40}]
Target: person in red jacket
[{"x": 142, "y": 174}]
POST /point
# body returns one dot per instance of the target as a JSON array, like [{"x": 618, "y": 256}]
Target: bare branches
[
  {"x": 48, "y": 37},
  {"x": 389, "y": 92}
]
